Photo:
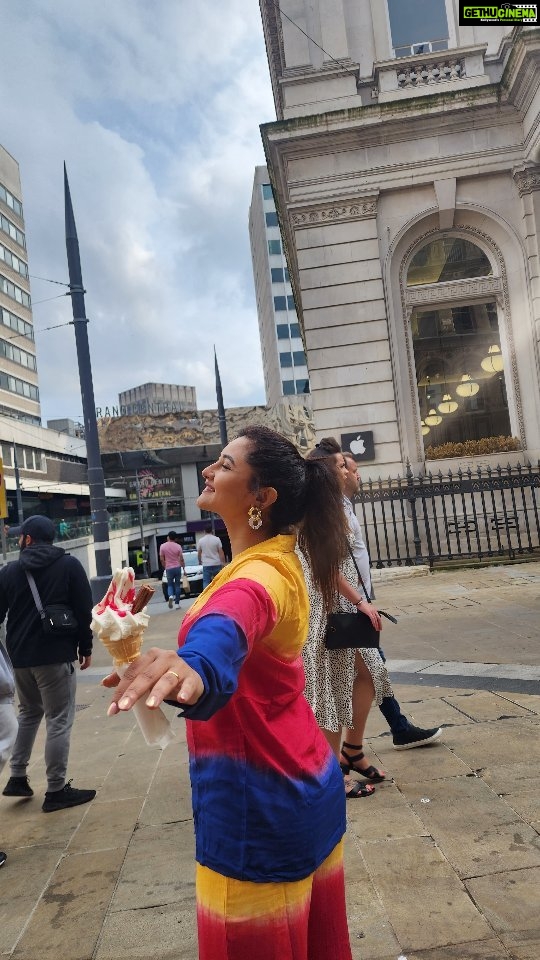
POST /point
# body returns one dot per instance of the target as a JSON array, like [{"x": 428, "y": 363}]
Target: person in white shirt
[{"x": 210, "y": 554}]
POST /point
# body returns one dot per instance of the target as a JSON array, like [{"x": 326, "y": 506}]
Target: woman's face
[
  {"x": 341, "y": 468},
  {"x": 229, "y": 482}
]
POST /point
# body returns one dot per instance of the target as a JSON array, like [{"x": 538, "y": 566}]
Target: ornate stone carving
[
  {"x": 357, "y": 210},
  {"x": 527, "y": 180},
  {"x": 472, "y": 289},
  {"x": 502, "y": 294}
]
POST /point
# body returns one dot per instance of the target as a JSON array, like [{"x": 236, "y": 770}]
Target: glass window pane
[
  {"x": 271, "y": 219},
  {"x": 460, "y": 373},
  {"x": 280, "y": 303},
  {"x": 290, "y": 302},
  {"x": 267, "y": 191},
  {"x": 288, "y": 387},
  {"x": 412, "y": 21},
  {"x": 285, "y": 360},
  {"x": 274, "y": 246},
  {"x": 302, "y": 386},
  {"x": 282, "y": 331},
  {"x": 448, "y": 258},
  {"x": 287, "y": 277},
  {"x": 277, "y": 274},
  {"x": 299, "y": 358},
  {"x": 295, "y": 329}
]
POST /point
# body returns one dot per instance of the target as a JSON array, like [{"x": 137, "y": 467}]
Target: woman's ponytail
[{"x": 323, "y": 533}]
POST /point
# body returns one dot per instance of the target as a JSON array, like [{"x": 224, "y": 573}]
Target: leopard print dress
[{"x": 330, "y": 673}]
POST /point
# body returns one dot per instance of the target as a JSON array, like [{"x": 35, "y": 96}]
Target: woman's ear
[{"x": 266, "y": 496}]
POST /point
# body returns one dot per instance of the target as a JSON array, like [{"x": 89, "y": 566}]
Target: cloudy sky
[{"x": 155, "y": 109}]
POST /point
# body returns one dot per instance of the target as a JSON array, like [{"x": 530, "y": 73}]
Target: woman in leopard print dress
[{"x": 336, "y": 699}]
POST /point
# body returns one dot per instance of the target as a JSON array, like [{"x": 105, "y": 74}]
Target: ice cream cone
[{"x": 124, "y": 650}]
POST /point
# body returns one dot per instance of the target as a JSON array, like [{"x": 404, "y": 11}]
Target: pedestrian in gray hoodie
[{"x": 43, "y": 659}]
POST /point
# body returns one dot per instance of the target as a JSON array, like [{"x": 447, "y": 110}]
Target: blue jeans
[
  {"x": 208, "y": 574},
  {"x": 173, "y": 582},
  {"x": 391, "y": 710}
]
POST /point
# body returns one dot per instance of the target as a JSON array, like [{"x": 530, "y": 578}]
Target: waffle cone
[{"x": 125, "y": 650}]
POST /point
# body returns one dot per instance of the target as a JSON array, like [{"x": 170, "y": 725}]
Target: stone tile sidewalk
[{"x": 443, "y": 862}]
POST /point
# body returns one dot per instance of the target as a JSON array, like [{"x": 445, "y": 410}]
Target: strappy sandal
[
  {"x": 370, "y": 773},
  {"x": 358, "y": 790}
]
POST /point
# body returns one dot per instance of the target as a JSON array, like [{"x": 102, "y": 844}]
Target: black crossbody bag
[
  {"x": 56, "y": 618},
  {"x": 350, "y": 630}
]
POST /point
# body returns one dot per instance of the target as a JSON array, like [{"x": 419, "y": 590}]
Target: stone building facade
[{"x": 405, "y": 164}]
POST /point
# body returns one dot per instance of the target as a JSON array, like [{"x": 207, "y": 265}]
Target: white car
[{"x": 194, "y": 574}]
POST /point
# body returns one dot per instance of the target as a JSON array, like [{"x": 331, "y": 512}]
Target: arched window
[{"x": 452, "y": 297}]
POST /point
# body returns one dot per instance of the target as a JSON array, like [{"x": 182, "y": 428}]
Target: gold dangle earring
[{"x": 255, "y": 518}]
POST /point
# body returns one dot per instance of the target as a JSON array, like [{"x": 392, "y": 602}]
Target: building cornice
[
  {"x": 381, "y": 121},
  {"x": 353, "y": 208}
]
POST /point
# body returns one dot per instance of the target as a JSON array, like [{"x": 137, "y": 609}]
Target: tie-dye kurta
[{"x": 268, "y": 797}]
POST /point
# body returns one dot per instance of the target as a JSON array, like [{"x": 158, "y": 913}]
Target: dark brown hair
[
  {"x": 308, "y": 496},
  {"x": 328, "y": 445}
]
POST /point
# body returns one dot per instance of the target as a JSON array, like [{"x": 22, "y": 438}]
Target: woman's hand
[
  {"x": 157, "y": 675},
  {"x": 371, "y": 612}
]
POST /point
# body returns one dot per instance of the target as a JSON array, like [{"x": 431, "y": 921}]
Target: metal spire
[
  {"x": 96, "y": 482},
  {"x": 220, "y": 405}
]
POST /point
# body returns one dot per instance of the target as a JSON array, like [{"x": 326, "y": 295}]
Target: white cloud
[{"x": 155, "y": 109}]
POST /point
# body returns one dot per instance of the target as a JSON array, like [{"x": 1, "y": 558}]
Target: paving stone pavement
[{"x": 442, "y": 863}]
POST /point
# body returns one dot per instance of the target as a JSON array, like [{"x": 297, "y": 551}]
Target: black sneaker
[
  {"x": 3, "y": 858},
  {"x": 68, "y": 796},
  {"x": 415, "y": 737},
  {"x": 18, "y": 787}
]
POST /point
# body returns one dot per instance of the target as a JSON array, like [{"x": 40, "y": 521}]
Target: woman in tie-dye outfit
[{"x": 268, "y": 799}]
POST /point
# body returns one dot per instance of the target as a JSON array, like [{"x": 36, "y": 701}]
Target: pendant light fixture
[
  {"x": 493, "y": 363},
  {"x": 467, "y": 387},
  {"x": 425, "y": 429},
  {"x": 433, "y": 419},
  {"x": 447, "y": 405}
]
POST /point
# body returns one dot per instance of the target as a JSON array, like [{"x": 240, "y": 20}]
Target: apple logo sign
[
  {"x": 357, "y": 446},
  {"x": 360, "y": 444}
]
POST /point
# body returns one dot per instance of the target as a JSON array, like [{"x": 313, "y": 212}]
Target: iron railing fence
[{"x": 432, "y": 518}]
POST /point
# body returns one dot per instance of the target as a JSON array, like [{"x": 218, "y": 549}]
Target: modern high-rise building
[
  {"x": 19, "y": 393},
  {"x": 405, "y": 166},
  {"x": 283, "y": 356}
]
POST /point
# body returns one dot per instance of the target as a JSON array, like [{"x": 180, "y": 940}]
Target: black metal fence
[{"x": 480, "y": 513}]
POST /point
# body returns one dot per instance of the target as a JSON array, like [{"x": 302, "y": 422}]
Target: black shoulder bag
[
  {"x": 56, "y": 618},
  {"x": 350, "y": 630}
]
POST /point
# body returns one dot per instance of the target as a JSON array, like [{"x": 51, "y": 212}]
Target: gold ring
[{"x": 174, "y": 674}]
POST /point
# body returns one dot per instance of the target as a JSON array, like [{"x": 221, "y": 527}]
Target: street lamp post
[
  {"x": 96, "y": 481},
  {"x": 115, "y": 483}
]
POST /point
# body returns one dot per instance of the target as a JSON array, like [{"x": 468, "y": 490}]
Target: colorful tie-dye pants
[{"x": 301, "y": 920}]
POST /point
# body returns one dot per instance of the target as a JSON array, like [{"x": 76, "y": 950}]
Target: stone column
[{"x": 528, "y": 184}]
